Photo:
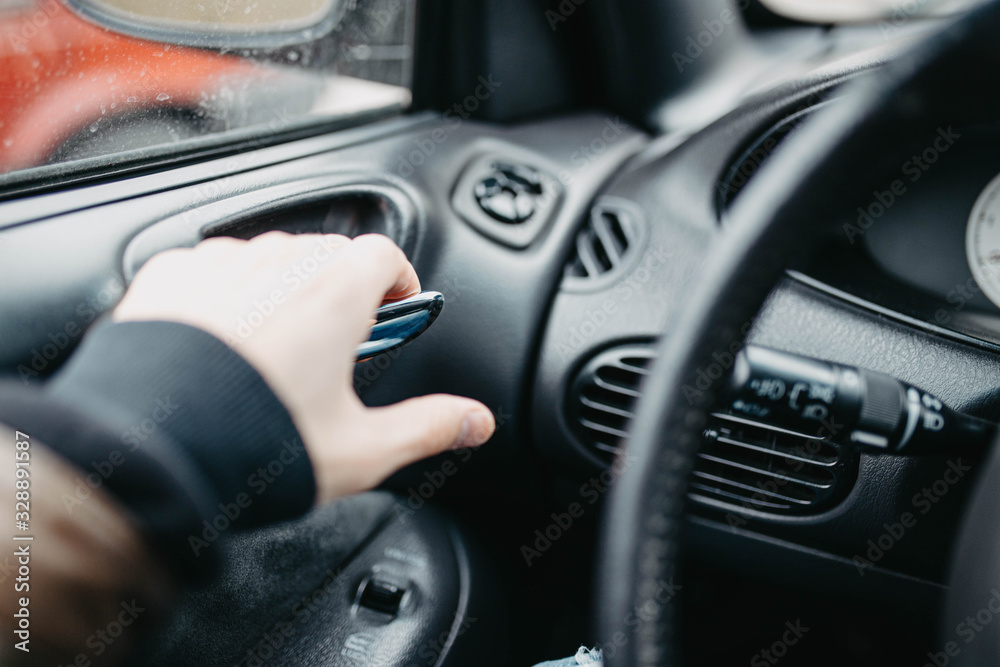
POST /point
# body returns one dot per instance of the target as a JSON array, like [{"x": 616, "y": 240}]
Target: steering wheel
[{"x": 796, "y": 202}]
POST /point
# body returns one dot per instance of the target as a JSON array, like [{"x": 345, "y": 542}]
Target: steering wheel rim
[{"x": 793, "y": 204}]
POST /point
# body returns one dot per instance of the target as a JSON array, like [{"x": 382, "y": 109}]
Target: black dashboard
[
  {"x": 911, "y": 258},
  {"x": 554, "y": 331},
  {"x": 893, "y": 293}
]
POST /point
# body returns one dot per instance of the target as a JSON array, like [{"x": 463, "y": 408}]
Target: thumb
[{"x": 420, "y": 427}]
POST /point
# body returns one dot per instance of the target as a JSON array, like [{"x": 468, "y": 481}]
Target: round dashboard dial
[{"x": 982, "y": 241}]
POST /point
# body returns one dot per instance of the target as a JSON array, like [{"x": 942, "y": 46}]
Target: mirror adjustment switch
[
  {"x": 508, "y": 195},
  {"x": 381, "y": 595}
]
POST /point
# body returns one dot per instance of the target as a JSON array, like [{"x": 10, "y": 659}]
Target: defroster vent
[
  {"x": 741, "y": 464},
  {"x": 748, "y": 163}
]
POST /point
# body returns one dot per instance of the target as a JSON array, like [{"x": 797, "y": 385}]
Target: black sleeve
[{"x": 176, "y": 424}]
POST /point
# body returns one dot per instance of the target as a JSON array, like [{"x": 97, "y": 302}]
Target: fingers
[
  {"x": 364, "y": 446},
  {"x": 380, "y": 269},
  {"x": 375, "y": 266},
  {"x": 399, "y": 276},
  {"x": 297, "y": 305},
  {"x": 218, "y": 248},
  {"x": 428, "y": 425},
  {"x": 360, "y": 276},
  {"x": 280, "y": 250}
]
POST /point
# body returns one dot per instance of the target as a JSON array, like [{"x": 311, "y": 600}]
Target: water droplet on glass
[{"x": 162, "y": 97}]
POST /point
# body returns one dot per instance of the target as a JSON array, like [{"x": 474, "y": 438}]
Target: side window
[{"x": 76, "y": 86}]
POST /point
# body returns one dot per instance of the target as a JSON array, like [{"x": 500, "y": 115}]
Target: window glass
[{"x": 74, "y": 88}]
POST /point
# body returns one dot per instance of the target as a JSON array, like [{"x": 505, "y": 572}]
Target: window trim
[{"x": 68, "y": 195}]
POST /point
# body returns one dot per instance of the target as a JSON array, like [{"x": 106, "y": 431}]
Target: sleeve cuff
[{"x": 209, "y": 401}]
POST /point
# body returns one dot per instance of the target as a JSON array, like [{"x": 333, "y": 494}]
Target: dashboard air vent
[
  {"x": 606, "y": 244},
  {"x": 761, "y": 467},
  {"x": 603, "y": 395},
  {"x": 742, "y": 464}
]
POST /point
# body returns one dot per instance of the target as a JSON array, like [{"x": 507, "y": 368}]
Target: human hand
[{"x": 296, "y": 307}]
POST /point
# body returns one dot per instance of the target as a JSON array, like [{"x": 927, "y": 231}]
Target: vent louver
[
  {"x": 603, "y": 396},
  {"x": 760, "y": 467},
  {"x": 741, "y": 463},
  {"x": 605, "y": 244}
]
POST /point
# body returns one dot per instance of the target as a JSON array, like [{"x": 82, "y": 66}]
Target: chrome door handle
[{"x": 398, "y": 323}]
